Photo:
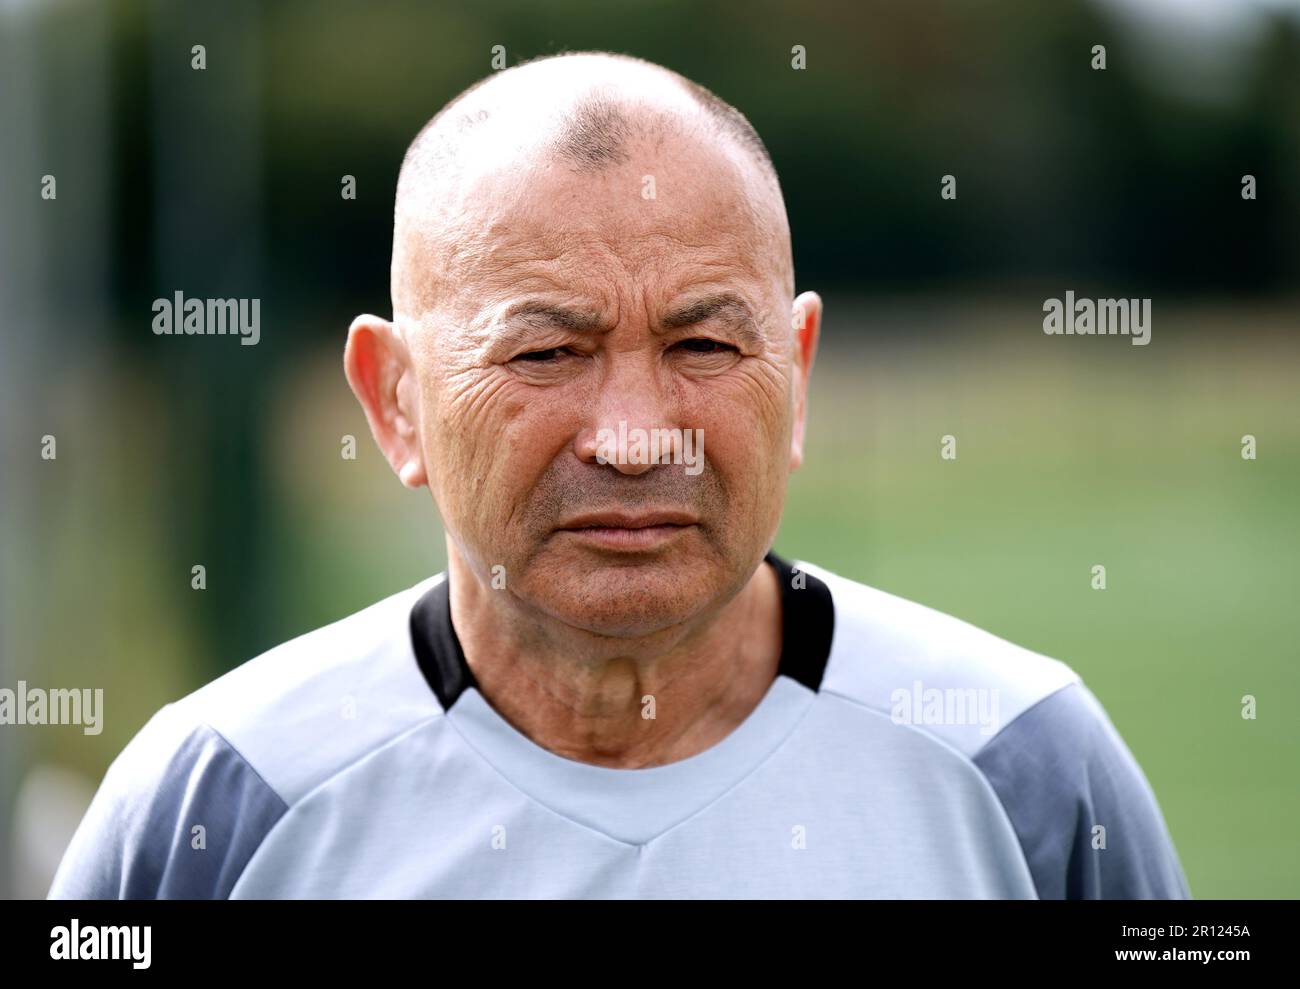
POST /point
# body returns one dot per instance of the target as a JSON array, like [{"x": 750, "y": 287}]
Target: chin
[{"x": 626, "y": 596}]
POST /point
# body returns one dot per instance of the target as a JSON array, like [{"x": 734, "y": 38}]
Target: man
[{"x": 617, "y": 689}]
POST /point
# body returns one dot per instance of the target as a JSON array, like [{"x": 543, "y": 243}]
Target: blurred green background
[{"x": 1072, "y": 451}]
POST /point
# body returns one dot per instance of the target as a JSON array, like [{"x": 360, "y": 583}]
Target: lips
[
  {"x": 623, "y": 531},
  {"x": 629, "y": 520}
]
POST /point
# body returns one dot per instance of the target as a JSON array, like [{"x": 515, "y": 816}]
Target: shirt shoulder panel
[
  {"x": 1047, "y": 748},
  {"x": 313, "y": 705},
  {"x": 928, "y": 669},
  {"x": 1085, "y": 814},
  {"x": 178, "y": 815},
  {"x": 234, "y": 755}
]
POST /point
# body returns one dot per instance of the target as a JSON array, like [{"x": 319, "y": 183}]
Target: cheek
[
  {"x": 492, "y": 438},
  {"x": 459, "y": 432},
  {"x": 746, "y": 423},
  {"x": 535, "y": 432},
  {"x": 746, "y": 418}
]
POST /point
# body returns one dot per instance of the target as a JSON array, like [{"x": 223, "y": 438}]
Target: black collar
[{"x": 807, "y": 625}]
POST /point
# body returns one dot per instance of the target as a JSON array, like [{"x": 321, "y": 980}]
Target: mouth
[{"x": 629, "y": 530}]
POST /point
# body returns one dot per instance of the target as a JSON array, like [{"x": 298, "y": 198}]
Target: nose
[
  {"x": 624, "y": 427},
  {"x": 603, "y": 445}
]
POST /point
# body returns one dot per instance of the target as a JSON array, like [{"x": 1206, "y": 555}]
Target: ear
[
  {"x": 806, "y": 321},
  {"x": 378, "y": 366}
]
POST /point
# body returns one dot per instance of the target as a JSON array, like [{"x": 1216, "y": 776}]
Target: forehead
[{"x": 678, "y": 208}]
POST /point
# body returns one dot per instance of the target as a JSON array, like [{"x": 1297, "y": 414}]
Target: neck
[{"x": 621, "y": 703}]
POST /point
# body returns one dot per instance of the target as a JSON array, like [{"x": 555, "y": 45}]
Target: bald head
[
  {"x": 593, "y": 95},
  {"x": 584, "y": 111}
]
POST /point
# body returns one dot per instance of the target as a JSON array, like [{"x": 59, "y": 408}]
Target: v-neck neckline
[{"x": 632, "y": 806}]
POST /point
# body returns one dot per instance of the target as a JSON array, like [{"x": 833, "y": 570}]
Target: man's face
[{"x": 512, "y": 402}]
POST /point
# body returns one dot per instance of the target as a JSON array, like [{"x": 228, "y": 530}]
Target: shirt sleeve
[
  {"x": 178, "y": 815},
  {"x": 1086, "y": 816}
]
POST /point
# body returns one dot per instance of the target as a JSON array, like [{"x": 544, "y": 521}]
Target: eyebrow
[
  {"x": 542, "y": 315},
  {"x": 521, "y": 323},
  {"x": 724, "y": 305},
  {"x": 707, "y": 308}
]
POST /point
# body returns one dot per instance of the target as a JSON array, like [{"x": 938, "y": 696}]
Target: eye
[
  {"x": 541, "y": 356},
  {"x": 703, "y": 345}
]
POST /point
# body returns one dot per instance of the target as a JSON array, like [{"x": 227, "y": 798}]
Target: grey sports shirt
[{"x": 899, "y": 753}]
